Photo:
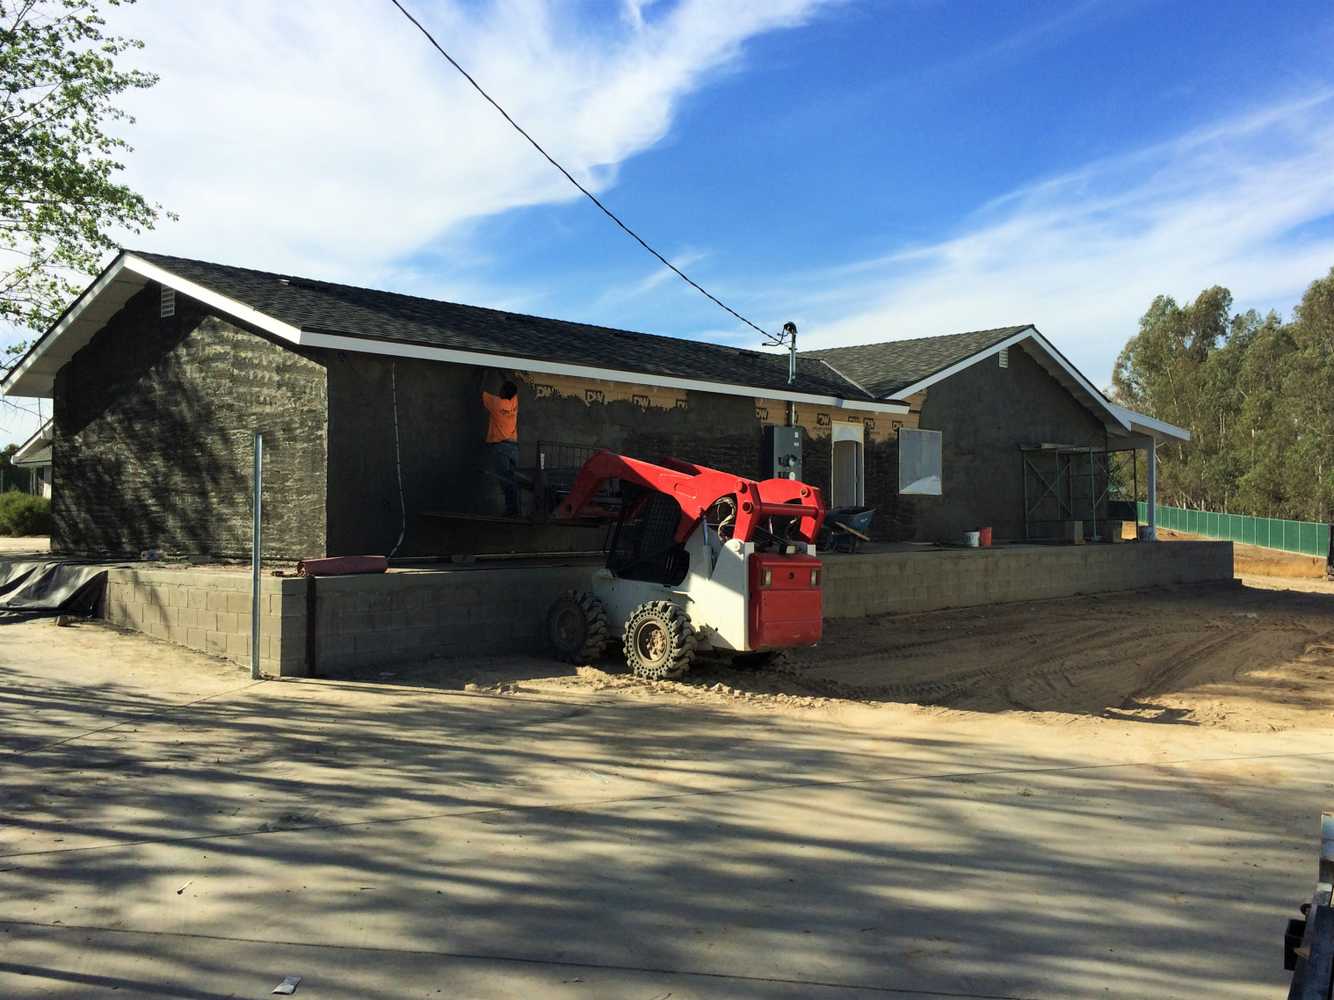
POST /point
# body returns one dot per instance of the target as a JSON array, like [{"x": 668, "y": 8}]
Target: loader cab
[{"x": 642, "y": 544}]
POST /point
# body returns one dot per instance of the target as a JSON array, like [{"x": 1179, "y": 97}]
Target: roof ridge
[{"x": 914, "y": 340}]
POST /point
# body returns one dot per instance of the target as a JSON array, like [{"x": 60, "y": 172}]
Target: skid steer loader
[{"x": 697, "y": 560}]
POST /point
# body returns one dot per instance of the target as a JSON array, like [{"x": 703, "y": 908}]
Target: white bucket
[{"x": 972, "y": 539}]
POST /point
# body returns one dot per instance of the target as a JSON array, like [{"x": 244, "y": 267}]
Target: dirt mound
[
  {"x": 1256, "y": 657},
  {"x": 1240, "y": 657}
]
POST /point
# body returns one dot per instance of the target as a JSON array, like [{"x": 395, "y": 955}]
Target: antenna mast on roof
[{"x": 790, "y": 337}]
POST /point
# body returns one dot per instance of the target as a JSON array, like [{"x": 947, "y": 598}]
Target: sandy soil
[
  {"x": 1258, "y": 656},
  {"x": 11, "y": 546},
  {"x": 1256, "y": 560}
]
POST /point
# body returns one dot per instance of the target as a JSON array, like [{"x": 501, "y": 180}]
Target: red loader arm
[{"x": 696, "y": 488}]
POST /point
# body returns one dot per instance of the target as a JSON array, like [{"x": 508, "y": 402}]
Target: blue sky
[{"x": 871, "y": 170}]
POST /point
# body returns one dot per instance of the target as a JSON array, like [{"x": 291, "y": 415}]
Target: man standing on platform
[{"x": 502, "y": 436}]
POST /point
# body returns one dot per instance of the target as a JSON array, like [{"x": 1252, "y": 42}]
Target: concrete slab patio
[{"x": 171, "y": 829}]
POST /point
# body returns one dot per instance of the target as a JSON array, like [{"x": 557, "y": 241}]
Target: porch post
[{"x": 1151, "y": 488}]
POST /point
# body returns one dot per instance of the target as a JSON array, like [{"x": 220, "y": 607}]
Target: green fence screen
[{"x": 1306, "y": 537}]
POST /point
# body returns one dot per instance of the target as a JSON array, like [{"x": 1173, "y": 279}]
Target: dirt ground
[
  {"x": 11, "y": 546},
  {"x": 1060, "y": 801},
  {"x": 1256, "y": 560},
  {"x": 1255, "y": 657}
]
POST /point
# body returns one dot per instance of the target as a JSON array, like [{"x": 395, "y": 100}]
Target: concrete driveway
[{"x": 169, "y": 828}]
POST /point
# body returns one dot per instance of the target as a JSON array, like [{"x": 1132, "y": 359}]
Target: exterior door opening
[{"x": 847, "y": 487}]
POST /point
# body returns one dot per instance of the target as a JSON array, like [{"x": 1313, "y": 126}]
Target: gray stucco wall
[
  {"x": 442, "y": 426},
  {"x": 153, "y": 422},
  {"x": 985, "y": 413}
]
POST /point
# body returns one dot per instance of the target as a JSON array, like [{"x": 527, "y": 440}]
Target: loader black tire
[
  {"x": 659, "y": 641},
  {"x": 577, "y": 627}
]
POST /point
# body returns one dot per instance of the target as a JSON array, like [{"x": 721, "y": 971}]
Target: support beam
[{"x": 1151, "y": 489}]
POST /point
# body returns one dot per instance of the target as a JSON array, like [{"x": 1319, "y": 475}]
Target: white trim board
[
  {"x": 1152, "y": 426},
  {"x": 146, "y": 271},
  {"x": 1028, "y": 333},
  {"x": 425, "y": 352}
]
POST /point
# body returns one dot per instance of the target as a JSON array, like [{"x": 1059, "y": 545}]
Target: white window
[
  {"x": 168, "y": 305},
  {"x": 847, "y": 480},
  {"x": 919, "y": 462}
]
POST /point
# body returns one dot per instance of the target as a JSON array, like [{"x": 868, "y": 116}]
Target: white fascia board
[
  {"x": 425, "y": 352},
  {"x": 1152, "y": 426},
  {"x": 1028, "y": 333},
  {"x": 222, "y": 303},
  {"x": 365, "y": 345},
  {"x": 923, "y": 384},
  {"x": 12, "y": 385}
]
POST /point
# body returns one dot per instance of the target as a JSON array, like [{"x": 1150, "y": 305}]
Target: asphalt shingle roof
[
  {"x": 886, "y": 368},
  {"x": 362, "y": 312}
]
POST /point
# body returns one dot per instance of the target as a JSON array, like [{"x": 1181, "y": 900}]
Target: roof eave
[
  {"x": 30, "y": 452},
  {"x": 35, "y": 373},
  {"x": 1159, "y": 430},
  {"x": 1058, "y": 367}
]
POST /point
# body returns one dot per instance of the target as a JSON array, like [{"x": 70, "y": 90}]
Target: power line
[
  {"x": 769, "y": 337},
  {"x": 36, "y": 413}
]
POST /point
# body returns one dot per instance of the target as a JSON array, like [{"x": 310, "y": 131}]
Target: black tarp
[{"x": 43, "y": 588}]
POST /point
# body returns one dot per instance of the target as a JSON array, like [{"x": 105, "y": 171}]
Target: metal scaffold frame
[{"x": 1070, "y": 482}]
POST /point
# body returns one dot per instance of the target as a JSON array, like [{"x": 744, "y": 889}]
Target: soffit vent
[
  {"x": 1004, "y": 357},
  {"x": 168, "y": 303}
]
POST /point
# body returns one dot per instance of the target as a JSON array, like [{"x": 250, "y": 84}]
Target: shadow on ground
[{"x": 754, "y": 851}]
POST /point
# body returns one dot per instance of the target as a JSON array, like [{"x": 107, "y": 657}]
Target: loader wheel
[
  {"x": 577, "y": 627},
  {"x": 659, "y": 641}
]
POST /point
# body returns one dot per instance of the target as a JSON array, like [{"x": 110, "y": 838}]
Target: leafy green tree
[
  {"x": 1171, "y": 369},
  {"x": 11, "y": 476},
  {"x": 1308, "y": 404},
  {"x": 60, "y": 200},
  {"x": 1262, "y": 435},
  {"x": 1256, "y": 393}
]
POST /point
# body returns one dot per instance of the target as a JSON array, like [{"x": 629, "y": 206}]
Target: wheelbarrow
[{"x": 845, "y": 528}]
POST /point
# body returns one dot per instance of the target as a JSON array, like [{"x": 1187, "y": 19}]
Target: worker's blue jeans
[{"x": 505, "y": 463}]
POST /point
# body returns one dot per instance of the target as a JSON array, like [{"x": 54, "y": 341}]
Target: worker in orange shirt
[{"x": 502, "y": 438}]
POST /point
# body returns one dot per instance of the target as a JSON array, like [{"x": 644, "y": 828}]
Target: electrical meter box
[{"x": 782, "y": 452}]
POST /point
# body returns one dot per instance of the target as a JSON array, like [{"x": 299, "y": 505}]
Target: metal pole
[
  {"x": 256, "y": 544},
  {"x": 1134, "y": 488},
  {"x": 1151, "y": 488}
]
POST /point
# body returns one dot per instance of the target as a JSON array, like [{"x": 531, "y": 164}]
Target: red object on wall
[
  {"x": 789, "y": 610},
  {"x": 342, "y": 565},
  {"x": 984, "y": 537}
]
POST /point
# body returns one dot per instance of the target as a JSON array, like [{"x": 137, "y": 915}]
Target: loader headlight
[
  {"x": 766, "y": 578},
  {"x": 815, "y": 578}
]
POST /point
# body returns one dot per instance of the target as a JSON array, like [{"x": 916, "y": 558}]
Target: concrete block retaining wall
[
  {"x": 210, "y": 611},
  {"x": 360, "y": 620},
  {"x": 930, "y": 580},
  {"x": 364, "y": 621}
]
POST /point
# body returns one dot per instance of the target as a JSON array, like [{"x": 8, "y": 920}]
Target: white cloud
[
  {"x": 653, "y": 280},
  {"x": 329, "y": 138},
  {"x": 1083, "y": 254},
  {"x": 326, "y": 137}
]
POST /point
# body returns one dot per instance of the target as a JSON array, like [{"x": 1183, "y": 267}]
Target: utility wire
[{"x": 772, "y": 339}]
